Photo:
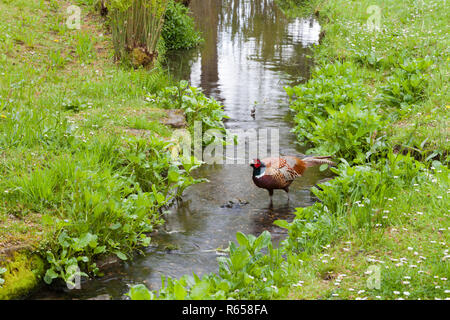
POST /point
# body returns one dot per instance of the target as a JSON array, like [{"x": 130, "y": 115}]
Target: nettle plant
[
  {"x": 252, "y": 270},
  {"x": 330, "y": 87},
  {"x": 406, "y": 86},
  {"x": 348, "y": 133},
  {"x": 334, "y": 114}
]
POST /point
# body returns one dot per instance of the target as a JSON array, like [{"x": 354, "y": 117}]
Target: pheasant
[{"x": 278, "y": 173}]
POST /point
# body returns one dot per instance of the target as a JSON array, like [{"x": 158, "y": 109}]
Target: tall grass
[{"x": 136, "y": 26}]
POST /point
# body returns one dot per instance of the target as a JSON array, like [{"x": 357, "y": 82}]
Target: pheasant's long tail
[{"x": 314, "y": 161}]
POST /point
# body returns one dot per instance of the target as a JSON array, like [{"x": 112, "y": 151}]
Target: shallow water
[{"x": 251, "y": 51}]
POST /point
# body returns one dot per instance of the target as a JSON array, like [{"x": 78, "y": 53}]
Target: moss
[
  {"x": 24, "y": 272},
  {"x": 141, "y": 57}
]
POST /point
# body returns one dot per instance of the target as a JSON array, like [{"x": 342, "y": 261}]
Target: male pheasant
[{"x": 278, "y": 173}]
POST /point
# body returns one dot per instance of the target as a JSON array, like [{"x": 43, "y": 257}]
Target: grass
[
  {"x": 49, "y": 75},
  {"x": 409, "y": 249}
]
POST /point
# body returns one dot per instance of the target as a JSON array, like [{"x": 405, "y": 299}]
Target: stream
[{"x": 251, "y": 50}]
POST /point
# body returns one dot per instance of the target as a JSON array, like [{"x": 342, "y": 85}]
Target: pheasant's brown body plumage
[{"x": 279, "y": 173}]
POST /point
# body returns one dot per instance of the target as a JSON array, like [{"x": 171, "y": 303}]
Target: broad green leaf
[
  {"x": 281, "y": 223},
  {"x": 180, "y": 292},
  {"x": 242, "y": 239},
  {"x": 140, "y": 292},
  {"x": 121, "y": 255},
  {"x": 200, "y": 290}
]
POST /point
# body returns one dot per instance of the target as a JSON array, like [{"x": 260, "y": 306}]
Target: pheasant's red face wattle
[{"x": 257, "y": 163}]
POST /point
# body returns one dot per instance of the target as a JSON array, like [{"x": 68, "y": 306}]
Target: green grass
[{"x": 403, "y": 232}]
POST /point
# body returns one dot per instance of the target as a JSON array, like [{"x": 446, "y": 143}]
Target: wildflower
[
  {"x": 3, "y": 116},
  {"x": 406, "y": 293},
  {"x": 396, "y": 292}
]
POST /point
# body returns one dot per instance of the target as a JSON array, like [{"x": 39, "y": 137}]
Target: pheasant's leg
[
  {"x": 287, "y": 191},
  {"x": 270, "y": 195}
]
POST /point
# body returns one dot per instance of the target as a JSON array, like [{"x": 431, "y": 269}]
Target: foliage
[
  {"x": 351, "y": 201},
  {"x": 247, "y": 273},
  {"x": 136, "y": 179},
  {"x": 196, "y": 106},
  {"x": 2, "y": 271},
  {"x": 329, "y": 87},
  {"x": 347, "y": 133},
  {"x": 76, "y": 184},
  {"x": 179, "y": 30},
  {"x": 136, "y": 26},
  {"x": 333, "y": 114},
  {"x": 406, "y": 86}
]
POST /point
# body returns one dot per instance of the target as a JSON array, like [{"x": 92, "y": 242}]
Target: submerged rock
[{"x": 234, "y": 204}]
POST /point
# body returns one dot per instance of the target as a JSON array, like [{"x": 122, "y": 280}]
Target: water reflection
[{"x": 246, "y": 42}]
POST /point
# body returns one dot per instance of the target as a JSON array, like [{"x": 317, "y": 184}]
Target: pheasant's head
[{"x": 256, "y": 164}]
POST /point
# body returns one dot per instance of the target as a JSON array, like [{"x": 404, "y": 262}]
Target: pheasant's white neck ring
[{"x": 261, "y": 172}]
